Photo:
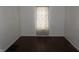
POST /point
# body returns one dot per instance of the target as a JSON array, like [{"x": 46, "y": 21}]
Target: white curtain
[{"x": 42, "y": 18}]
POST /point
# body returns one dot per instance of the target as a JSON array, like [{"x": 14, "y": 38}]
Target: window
[{"x": 42, "y": 20}]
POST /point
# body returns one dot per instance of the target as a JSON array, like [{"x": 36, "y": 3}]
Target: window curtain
[{"x": 42, "y": 20}]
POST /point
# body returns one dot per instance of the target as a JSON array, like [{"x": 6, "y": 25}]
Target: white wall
[
  {"x": 27, "y": 21},
  {"x": 72, "y": 25},
  {"x": 56, "y": 21},
  {"x": 9, "y": 26}
]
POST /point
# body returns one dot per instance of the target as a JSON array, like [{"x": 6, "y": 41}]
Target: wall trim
[
  {"x": 42, "y": 36},
  {"x": 72, "y": 43},
  {"x": 10, "y": 44}
]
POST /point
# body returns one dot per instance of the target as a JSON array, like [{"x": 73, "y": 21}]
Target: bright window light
[{"x": 42, "y": 18}]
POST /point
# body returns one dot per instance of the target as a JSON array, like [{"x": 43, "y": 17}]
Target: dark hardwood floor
[{"x": 41, "y": 44}]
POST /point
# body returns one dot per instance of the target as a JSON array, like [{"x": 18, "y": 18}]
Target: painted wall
[
  {"x": 27, "y": 21},
  {"x": 9, "y": 26},
  {"x": 72, "y": 25},
  {"x": 56, "y": 21}
]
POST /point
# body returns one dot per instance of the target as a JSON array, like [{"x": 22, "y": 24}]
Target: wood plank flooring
[{"x": 41, "y": 44}]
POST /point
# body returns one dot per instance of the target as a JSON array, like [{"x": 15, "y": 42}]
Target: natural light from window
[{"x": 42, "y": 18}]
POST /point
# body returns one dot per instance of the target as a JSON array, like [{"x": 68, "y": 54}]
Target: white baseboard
[
  {"x": 9, "y": 45},
  {"x": 44, "y": 35},
  {"x": 72, "y": 43}
]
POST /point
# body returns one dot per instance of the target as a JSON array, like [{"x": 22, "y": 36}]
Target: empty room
[{"x": 39, "y": 28}]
